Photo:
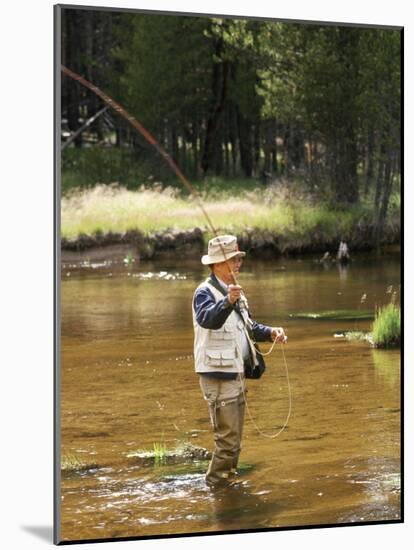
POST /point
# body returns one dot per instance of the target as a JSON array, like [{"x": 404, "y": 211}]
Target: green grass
[
  {"x": 111, "y": 208},
  {"x": 386, "y": 330},
  {"x": 340, "y": 315},
  {"x": 72, "y": 464},
  {"x": 160, "y": 452}
]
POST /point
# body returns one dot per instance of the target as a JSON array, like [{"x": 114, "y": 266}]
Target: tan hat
[{"x": 216, "y": 246}]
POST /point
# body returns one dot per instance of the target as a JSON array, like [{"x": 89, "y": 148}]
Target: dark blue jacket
[{"x": 212, "y": 315}]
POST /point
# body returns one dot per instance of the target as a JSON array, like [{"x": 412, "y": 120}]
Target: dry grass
[{"x": 106, "y": 208}]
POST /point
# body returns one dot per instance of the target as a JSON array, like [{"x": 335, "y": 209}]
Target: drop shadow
[{"x": 44, "y": 532}]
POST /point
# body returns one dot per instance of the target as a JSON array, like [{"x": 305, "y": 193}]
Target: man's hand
[
  {"x": 234, "y": 293},
  {"x": 279, "y": 335}
]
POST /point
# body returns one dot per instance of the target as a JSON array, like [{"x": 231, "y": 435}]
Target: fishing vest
[{"x": 219, "y": 350}]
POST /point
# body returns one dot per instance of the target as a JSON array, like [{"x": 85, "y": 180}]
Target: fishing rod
[
  {"x": 152, "y": 141},
  {"x": 197, "y": 197},
  {"x": 83, "y": 127}
]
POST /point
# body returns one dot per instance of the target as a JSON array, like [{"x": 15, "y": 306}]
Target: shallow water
[{"x": 128, "y": 382}]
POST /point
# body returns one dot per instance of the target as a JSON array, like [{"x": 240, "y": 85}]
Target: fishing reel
[
  {"x": 243, "y": 303},
  {"x": 244, "y": 310}
]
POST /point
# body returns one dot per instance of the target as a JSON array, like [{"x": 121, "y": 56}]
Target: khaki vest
[{"x": 218, "y": 350}]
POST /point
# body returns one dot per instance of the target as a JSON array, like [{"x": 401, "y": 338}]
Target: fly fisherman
[{"x": 224, "y": 336}]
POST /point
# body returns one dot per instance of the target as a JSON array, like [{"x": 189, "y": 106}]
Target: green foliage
[
  {"x": 227, "y": 97},
  {"x": 166, "y": 67},
  {"x": 83, "y": 168},
  {"x": 386, "y": 329}
]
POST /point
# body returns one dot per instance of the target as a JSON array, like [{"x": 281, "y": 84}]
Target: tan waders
[{"x": 226, "y": 406}]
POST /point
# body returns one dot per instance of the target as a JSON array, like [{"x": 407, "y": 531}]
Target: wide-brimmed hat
[{"x": 218, "y": 245}]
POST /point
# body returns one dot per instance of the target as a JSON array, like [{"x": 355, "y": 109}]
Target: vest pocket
[
  {"x": 225, "y": 333},
  {"x": 220, "y": 358}
]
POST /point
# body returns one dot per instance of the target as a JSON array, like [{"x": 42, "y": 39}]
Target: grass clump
[
  {"x": 386, "y": 329},
  {"x": 183, "y": 452},
  {"x": 72, "y": 464},
  {"x": 160, "y": 453}
]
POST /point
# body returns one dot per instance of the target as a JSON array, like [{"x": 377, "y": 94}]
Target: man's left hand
[{"x": 279, "y": 335}]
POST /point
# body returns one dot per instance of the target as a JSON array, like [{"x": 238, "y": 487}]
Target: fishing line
[
  {"x": 195, "y": 194},
  {"x": 270, "y": 436}
]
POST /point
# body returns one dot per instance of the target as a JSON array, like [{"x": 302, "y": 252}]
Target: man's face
[{"x": 224, "y": 270}]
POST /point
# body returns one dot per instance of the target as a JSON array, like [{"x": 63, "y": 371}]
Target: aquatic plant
[
  {"x": 71, "y": 464},
  {"x": 386, "y": 329},
  {"x": 129, "y": 259},
  {"x": 160, "y": 452},
  {"x": 340, "y": 315},
  {"x": 182, "y": 452}
]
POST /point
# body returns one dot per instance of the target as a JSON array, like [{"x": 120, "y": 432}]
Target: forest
[{"x": 235, "y": 99}]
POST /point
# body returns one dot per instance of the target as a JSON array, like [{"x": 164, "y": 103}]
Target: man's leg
[
  {"x": 226, "y": 406},
  {"x": 241, "y": 411}
]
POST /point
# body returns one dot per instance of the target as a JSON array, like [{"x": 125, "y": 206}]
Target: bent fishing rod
[{"x": 193, "y": 192}]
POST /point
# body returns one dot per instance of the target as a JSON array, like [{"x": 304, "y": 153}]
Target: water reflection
[{"x": 387, "y": 366}]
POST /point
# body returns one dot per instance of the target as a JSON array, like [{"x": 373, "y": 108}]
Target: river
[{"x": 128, "y": 381}]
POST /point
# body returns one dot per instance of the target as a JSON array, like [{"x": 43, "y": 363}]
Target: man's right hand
[{"x": 234, "y": 293}]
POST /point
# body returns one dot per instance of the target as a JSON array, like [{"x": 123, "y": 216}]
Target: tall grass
[
  {"x": 386, "y": 331},
  {"x": 110, "y": 208}
]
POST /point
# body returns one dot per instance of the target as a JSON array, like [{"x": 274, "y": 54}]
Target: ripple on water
[
  {"x": 382, "y": 486},
  {"x": 160, "y": 276}
]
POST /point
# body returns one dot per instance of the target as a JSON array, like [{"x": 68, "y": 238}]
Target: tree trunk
[
  {"x": 218, "y": 154},
  {"x": 345, "y": 173},
  {"x": 380, "y": 179},
  {"x": 245, "y": 145},
  {"x": 194, "y": 147},
  {"x": 387, "y": 187},
  {"x": 73, "y": 91},
  {"x": 369, "y": 177},
  {"x": 274, "y": 150},
  {"x": 219, "y": 94},
  {"x": 267, "y": 148},
  {"x": 226, "y": 158},
  {"x": 256, "y": 148},
  {"x": 174, "y": 144},
  {"x": 233, "y": 138},
  {"x": 295, "y": 147},
  {"x": 312, "y": 160},
  {"x": 183, "y": 150},
  {"x": 285, "y": 163}
]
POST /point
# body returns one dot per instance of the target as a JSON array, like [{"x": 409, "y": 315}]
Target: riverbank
[
  {"x": 110, "y": 223},
  {"x": 259, "y": 243}
]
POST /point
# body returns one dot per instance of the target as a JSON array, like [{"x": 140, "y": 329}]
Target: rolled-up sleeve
[{"x": 209, "y": 313}]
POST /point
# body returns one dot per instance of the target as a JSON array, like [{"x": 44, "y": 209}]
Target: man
[{"x": 223, "y": 333}]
